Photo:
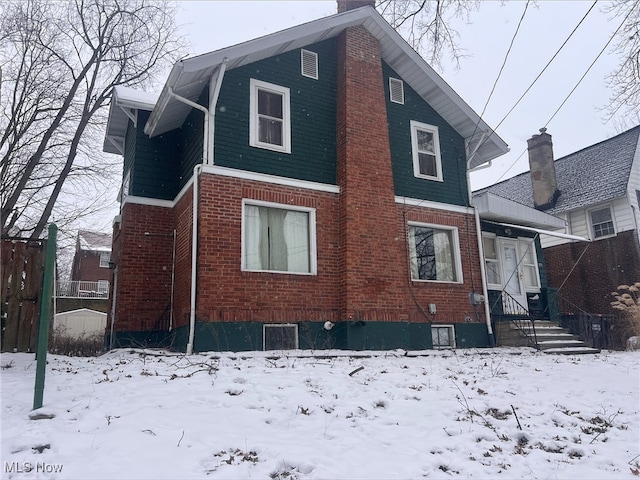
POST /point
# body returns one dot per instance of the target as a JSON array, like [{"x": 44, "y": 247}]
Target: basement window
[
  {"x": 270, "y": 120},
  {"x": 280, "y": 336},
  {"x": 443, "y": 336},
  {"x": 309, "y": 64},
  {"x": 396, "y": 90},
  {"x": 425, "y": 147}
]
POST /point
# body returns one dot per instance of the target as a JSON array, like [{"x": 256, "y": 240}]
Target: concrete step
[{"x": 572, "y": 350}]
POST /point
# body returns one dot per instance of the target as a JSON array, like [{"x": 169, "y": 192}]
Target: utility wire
[
  {"x": 537, "y": 77},
  {"x": 573, "y": 89},
  {"x": 504, "y": 62}
]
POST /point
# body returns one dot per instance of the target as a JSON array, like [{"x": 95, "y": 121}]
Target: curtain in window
[
  {"x": 444, "y": 256},
  {"x": 276, "y": 239}
]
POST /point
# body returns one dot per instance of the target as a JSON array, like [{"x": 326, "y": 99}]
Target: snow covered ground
[{"x": 486, "y": 414}]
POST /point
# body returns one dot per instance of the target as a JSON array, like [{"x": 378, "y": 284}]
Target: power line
[
  {"x": 573, "y": 89},
  {"x": 504, "y": 62}
]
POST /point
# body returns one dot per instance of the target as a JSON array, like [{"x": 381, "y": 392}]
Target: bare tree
[
  {"x": 427, "y": 25},
  {"x": 625, "y": 80},
  {"x": 60, "y": 63}
]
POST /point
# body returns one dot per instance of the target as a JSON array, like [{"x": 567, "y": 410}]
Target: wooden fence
[{"x": 21, "y": 286}]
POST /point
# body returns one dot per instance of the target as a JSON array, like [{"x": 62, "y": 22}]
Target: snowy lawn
[{"x": 486, "y": 414}]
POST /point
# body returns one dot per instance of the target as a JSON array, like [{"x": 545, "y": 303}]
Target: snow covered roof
[
  {"x": 188, "y": 77},
  {"x": 94, "y": 241},
  {"x": 124, "y": 103}
]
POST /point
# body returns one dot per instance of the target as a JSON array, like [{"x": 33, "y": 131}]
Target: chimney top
[{"x": 345, "y": 5}]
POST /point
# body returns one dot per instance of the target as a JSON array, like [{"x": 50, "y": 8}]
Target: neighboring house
[
  {"x": 307, "y": 189},
  {"x": 595, "y": 191},
  {"x": 91, "y": 263}
]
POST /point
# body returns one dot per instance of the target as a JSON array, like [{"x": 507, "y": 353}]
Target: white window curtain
[
  {"x": 432, "y": 254},
  {"x": 444, "y": 256},
  {"x": 276, "y": 239}
]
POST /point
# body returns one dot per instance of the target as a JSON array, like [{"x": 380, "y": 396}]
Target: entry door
[{"x": 512, "y": 275}]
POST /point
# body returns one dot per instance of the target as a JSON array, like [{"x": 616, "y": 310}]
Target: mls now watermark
[{"x": 27, "y": 467}]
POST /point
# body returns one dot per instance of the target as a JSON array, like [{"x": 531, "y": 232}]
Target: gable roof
[
  {"x": 188, "y": 77},
  {"x": 593, "y": 175},
  {"x": 93, "y": 241},
  {"x": 124, "y": 103}
]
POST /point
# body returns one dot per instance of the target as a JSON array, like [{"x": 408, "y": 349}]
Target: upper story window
[
  {"x": 270, "y": 122},
  {"x": 602, "y": 222},
  {"x": 435, "y": 253},
  {"x": 104, "y": 260},
  {"x": 278, "y": 238},
  {"x": 425, "y": 147},
  {"x": 396, "y": 90},
  {"x": 309, "y": 64}
]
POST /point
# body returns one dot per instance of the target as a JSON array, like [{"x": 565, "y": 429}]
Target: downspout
[
  {"x": 207, "y": 159},
  {"x": 483, "y": 275},
  {"x": 197, "y": 170},
  {"x": 483, "y": 272}
]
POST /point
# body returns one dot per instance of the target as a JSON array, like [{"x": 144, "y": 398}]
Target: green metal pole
[{"x": 45, "y": 315}]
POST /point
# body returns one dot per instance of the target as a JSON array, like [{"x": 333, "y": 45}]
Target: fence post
[{"x": 45, "y": 314}]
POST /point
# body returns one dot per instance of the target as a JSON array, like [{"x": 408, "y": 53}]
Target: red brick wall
[
  {"x": 144, "y": 265},
  {"x": 606, "y": 264},
  {"x": 86, "y": 267},
  {"x": 227, "y": 293},
  {"x": 373, "y": 249}
]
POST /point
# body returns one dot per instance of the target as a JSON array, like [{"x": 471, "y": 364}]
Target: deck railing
[{"x": 82, "y": 289}]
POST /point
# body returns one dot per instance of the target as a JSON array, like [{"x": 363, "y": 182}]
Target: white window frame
[
  {"x": 105, "y": 263},
  {"x": 103, "y": 286},
  {"x": 525, "y": 243},
  {"x": 418, "y": 126},
  {"x": 313, "y": 256},
  {"x": 398, "y": 88},
  {"x": 311, "y": 59},
  {"x": 452, "y": 336},
  {"x": 592, "y": 230},
  {"x": 266, "y": 326},
  {"x": 254, "y": 141},
  {"x": 495, "y": 261},
  {"x": 457, "y": 257}
]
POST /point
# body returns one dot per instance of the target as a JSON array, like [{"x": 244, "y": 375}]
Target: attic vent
[
  {"x": 396, "y": 90},
  {"x": 309, "y": 62},
  {"x": 280, "y": 336}
]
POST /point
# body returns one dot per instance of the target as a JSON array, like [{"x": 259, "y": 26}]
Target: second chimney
[
  {"x": 543, "y": 171},
  {"x": 344, "y": 5}
]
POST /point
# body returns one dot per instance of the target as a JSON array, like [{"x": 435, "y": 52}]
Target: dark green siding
[
  {"x": 313, "y": 117},
  {"x": 247, "y": 336},
  {"x": 453, "y": 189},
  {"x": 192, "y": 132},
  {"x": 154, "y": 166}
]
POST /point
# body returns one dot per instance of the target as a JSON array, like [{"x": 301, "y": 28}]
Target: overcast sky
[{"x": 211, "y": 25}]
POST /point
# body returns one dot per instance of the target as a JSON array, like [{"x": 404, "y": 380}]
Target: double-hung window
[
  {"x": 278, "y": 238},
  {"x": 529, "y": 265},
  {"x": 425, "y": 146},
  {"x": 602, "y": 222},
  {"x": 435, "y": 253},
  {"x": 105, "y": 258},
  {"x": 491, "y": 259},
  {"x": 270, "y": 122}
]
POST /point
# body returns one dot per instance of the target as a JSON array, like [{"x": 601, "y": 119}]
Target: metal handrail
[
  {"x": 83, "y": 289},
  {"x": 512, "y": 308}
]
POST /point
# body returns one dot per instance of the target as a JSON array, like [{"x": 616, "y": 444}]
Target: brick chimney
[
  {"x": 543, "y": 171},
  {"x": 373, "y": 262},
  {"x": 344, "y": 5}
]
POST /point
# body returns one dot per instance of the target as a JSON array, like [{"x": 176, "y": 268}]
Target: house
[
  {"x": 90, "y": 273},
  {"x": 595, "y": 191},
  {"x": 306, "y": 189}
]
